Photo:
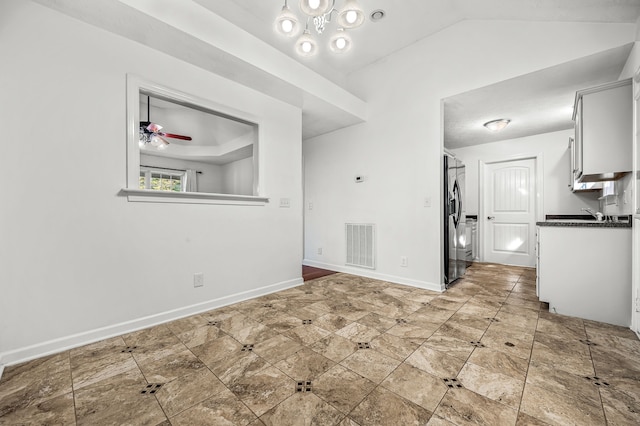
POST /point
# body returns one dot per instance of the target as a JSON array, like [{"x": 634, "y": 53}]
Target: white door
[{"x": 509, "y": 212}]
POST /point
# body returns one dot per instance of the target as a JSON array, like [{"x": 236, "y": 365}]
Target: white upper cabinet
[{"x": 603, "y": 117}]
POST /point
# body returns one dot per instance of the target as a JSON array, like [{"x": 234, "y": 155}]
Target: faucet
[{"x": 597, "y": 215}]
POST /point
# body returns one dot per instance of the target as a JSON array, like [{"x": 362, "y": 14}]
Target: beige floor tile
[
  {"x": 58, "y": 410},
  {"x": 302, "y": 409},
  {"x": 394, "y": 346},
  {"x": 377, "y": 322},
  {"x": 370, "y": 364},
  {"x": 277, "y": 348},
  {"x": 450, "y": 346},
  {"x": 383, "y": 407},
  {"x": 500, "y": 362},
  {"x": 118, "y": 400},
  {"x": 224, "y": 408},
  {"x": 555, "y": 369},
  {"x": 306, "y": 334},
  {"x": 464, "y": 407},
  {"x": 417, "y": 386},
  {"x": 342, "y": 388},
  {"x": 332, "y": 322},
  {"x": 487, "y": 382},
  {"x": 557, "y": 408},
  {"x": 334, "y": 347},
  {"x": 436, "y": 363},
  {"x": 34, "y": 382},
  {"x": 238, "y": 365},
  {"x": 199, "y": 336},
  {"x": 304, "y": 365},
  {"x": 264, "y": 389},
  {"x": 185, "y": 392},
  {"x": 357, "y": 332}
]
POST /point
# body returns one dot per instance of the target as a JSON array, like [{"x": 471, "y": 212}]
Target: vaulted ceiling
[{"x": 236, "y": 39}]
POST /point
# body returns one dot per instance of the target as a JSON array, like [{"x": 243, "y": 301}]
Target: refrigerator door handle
[{"x": 458, "y": 206}]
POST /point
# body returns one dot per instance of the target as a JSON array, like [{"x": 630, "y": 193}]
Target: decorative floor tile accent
[
  {"x": 267, "y": 305},
  {"x": 308, "y": 321},
  {"x": 597, "y": 381},
  {"x": 493, "y": 319},
  {"x": 477, "y": 344},
  {"x": 364, "y": 345},
  {"x": 303, "y": 386},
  {"x": 509, "y": 344},
  {"x": 588, "y": 342},
  {"x": 129, "y": 349},
  {"x": 401, "y": 321},
  {"x": 151, "y": 388},
  {"x": 452, "y": 383},
  {"x": 247, "y": 348},
  {"x": 213, "y": 323}
]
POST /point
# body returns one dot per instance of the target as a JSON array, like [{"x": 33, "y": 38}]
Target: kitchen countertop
[{"x": 582, "y": 221}]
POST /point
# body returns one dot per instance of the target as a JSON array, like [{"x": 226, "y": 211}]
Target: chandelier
[{"x": 319, "y": 13}]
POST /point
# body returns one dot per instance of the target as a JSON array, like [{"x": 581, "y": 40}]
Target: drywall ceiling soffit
[
  {"x": 187, "y": 31},
  {"x": 538, "y": 102},
  {"x": 408, "y": 21}
]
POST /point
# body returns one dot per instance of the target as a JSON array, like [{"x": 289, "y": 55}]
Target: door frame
[{"x": 539, "y": 198}]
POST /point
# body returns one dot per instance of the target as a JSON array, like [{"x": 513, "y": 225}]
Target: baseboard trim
[
  {"x": 62, "y": 344},
  {"x": 375, "y": 275}
]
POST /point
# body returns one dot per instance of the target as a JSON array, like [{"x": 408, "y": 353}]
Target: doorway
[{"x": 508, "y": 208}]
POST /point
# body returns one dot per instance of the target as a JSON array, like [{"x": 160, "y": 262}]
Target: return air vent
[{"x": 360, "y": 243}]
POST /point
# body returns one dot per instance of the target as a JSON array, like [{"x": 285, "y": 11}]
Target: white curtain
[{"x": 191, "y": 181}]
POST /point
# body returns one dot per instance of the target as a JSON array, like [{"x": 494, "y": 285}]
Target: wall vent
[{"x": 360, "y": 243}]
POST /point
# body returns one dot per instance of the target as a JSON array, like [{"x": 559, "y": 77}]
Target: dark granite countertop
[{"x": 583, "y": 221}]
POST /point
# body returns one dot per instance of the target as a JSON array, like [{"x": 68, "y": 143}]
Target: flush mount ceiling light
[
  {"x": 319, "y": 12},
  {"x": 497, "y": 125}
]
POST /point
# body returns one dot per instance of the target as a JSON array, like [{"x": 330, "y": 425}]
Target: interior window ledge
[{"x": 154, "y": 196}]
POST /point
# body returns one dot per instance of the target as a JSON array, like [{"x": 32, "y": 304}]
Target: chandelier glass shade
[
  {"x": 318, "y": 14},
  {"x": 287, "y": 23}
]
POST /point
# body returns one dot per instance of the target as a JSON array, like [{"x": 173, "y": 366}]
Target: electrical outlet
[
  {"x": 320, "y": 250},
  {"x": 285, "y": 203},
  {"x": 404, "y": 262},
  {"x": 198, "y": 279}
]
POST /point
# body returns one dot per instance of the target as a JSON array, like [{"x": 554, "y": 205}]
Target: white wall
[
  {"x": 237, "y": 177},
  {"x": 399, "y": 148},
  {"x": 557, "y": 198},
  {"x": 77, "y": 260}
]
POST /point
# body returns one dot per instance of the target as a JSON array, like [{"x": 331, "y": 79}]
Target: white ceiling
[
  {"x": 170, "y": 26},
  {"x": 538, "y": 102},
  {"x": 408, "y": 21}
]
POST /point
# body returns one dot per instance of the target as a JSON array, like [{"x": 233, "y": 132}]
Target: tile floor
[{"x": 345, "y": 350}]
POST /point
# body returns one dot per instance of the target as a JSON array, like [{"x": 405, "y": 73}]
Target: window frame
[{"x": 136, "y": 85}]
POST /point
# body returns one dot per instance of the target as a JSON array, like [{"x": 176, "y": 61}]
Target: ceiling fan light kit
[
  {"x": 149, "y": 133},
  {"x": 497, "y": 125},
  {"x": 319, "y": 12}
]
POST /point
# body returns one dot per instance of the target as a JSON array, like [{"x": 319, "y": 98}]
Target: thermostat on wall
[{"x": 359, "y": 178}]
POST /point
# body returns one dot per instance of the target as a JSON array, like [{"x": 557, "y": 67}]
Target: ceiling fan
[{"x": 150, "y": 133}]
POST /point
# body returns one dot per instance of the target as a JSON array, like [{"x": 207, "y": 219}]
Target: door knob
[{"x": 490, "y": 217}]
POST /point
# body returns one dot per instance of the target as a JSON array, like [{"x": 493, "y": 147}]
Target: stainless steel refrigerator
[{"x": 454, "y": 220}]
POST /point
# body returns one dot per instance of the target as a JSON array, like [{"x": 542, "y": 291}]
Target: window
[
  {"x": 161, "y": 180},
  {"x": 181, "y": 148}
]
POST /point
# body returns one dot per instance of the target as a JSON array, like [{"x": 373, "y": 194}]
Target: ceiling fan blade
[{"x": 171, "y": 135}]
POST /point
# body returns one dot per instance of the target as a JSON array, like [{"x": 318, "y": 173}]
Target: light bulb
[
  {"x": 314, "y": 4},
  {"x": 287, "y": 26},
  {"x": 306, "y": 47},
  {"x": 351, "y": 16},
  {"x": 341, "y": 43}
]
